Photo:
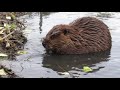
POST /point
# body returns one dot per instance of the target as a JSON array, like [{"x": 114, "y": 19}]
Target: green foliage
[
  {"x": 13, "y": 26},
  {"x": 7, "y": 26},
  {"x": 87, "y": 69}
]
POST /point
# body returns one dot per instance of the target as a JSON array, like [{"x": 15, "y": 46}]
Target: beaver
[{"x": 83, "y": 35}]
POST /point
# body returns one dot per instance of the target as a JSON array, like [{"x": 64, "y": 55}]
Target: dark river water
[{"x": 37, "y": 64}]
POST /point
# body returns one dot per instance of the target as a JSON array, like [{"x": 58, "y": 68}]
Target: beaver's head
[{"x": 59, "y": 39}]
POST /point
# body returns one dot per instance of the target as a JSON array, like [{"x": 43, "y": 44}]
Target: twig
[
  {"x": 21, "y": 23},
  {"x": 7, "y": 35},
  {"x": 17, "y": 42},
  {"x": 3, "y": 20}
]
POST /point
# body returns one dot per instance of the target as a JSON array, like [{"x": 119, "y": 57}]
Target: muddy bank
[
  {"x": 11, "y": 39},
  {"x": 11, "y": 36},
  {"x": 17, "y": 14}
]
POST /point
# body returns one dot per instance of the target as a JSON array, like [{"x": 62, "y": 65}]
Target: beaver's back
[
  {"x": 95, "y": 34},
  {"x": 89, "y": 23}
]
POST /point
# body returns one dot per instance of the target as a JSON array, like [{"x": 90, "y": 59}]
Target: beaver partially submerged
[{"x": 84, "y": 35}]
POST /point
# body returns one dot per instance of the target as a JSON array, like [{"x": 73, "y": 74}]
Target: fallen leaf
[
  {"x": 1, "y": 27},
  {"x": 2, "y": 72},
  {"x": 7, "y": 26},
  {"x": 22, "y": 52},
  {"x": 3, "y": 55},
  {"x": 7, "y": 44},
  {"x": 13, "y": 16},
  {"x": 1, "y": 32},
  {"x": 87, "y": 69},
  {"x": 13, "y": 26},
  {"x": 8, "y": 17}
]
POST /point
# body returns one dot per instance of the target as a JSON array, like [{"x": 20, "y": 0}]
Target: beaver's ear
[{"x": 65, "y": 31}]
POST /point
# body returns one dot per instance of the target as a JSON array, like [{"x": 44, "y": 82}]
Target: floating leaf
[
  {"x": 22, "y": 52},
  {"x": 87, "y": 69},
  {"x": 2, "y": 72},
  {"x": 64, "y": 73},
  {"x": 3, "y": 55},
  {"x": 8, "y": 17}
]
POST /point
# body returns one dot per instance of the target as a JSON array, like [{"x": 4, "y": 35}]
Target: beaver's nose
[
  {"x": 46, "y": 45},
  {"x": 43, "y": 44}
]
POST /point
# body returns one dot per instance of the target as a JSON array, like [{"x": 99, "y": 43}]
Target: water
[{"x": 36, "y": 64}]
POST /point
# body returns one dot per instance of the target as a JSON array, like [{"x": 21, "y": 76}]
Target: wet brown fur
[{"x": 84, "y": 35}]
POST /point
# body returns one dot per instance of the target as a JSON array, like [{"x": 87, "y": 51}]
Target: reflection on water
[
  {"x": 68, "y": 62},
  {"x": 42, "y": 14},
  {"x": 41, "y": 21}
]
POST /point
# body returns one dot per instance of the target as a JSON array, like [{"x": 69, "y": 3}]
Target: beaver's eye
[
  {"x": 54, "y": 34},
  {"x": 65, "y": 32},
  {"x": 52, "y": 37}
]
